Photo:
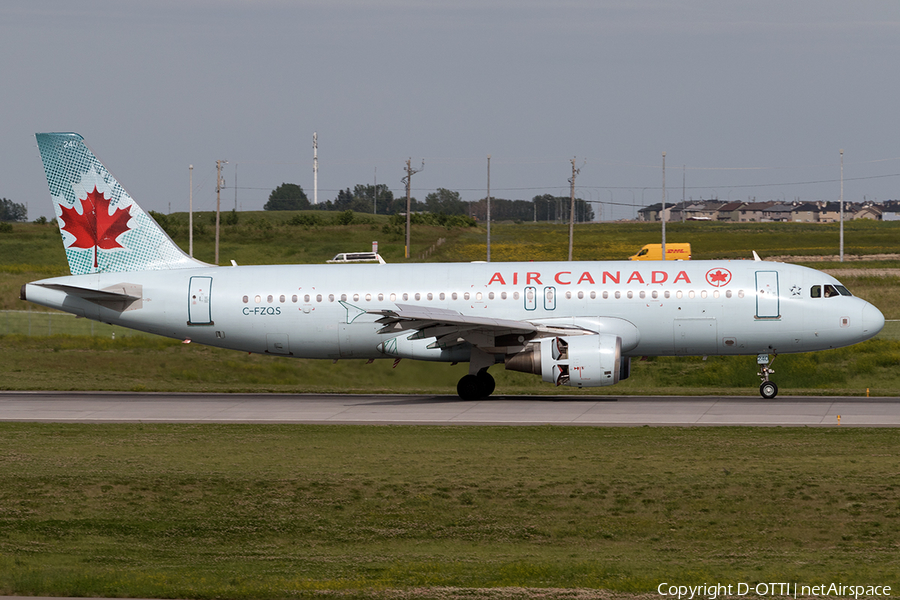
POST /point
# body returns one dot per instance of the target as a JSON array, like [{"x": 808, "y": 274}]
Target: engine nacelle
[{"x": 577, "y": 361}]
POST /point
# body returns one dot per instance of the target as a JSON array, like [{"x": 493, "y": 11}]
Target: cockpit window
[
  {"x": 830, "y": 291},
  {"x": 843, "y": 291},
  {"x": 815, "y": 291}
]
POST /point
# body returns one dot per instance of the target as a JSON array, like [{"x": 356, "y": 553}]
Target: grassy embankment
[
  {"x": 210, "y": 511},
  {"x": 139, "y": 362}
]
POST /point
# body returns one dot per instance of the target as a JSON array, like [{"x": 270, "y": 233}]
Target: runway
[{"x": 126, "y": 407}]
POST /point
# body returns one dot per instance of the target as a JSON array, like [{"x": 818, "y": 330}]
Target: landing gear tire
[
  {"x": 487, "y": 383},
  {"x": 768, "y": 389},
  {"x": 475, "y": 387}
]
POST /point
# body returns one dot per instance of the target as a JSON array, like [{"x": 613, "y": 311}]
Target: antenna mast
[
  {"x": 407, "y": 180},
  {"x": 315, "y": 168},
  {"x": 572, "y": 207},
  {"x": 220, "y": 183}
]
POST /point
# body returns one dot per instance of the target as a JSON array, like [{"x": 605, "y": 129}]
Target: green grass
[
  {"x": 243, "y": 511},
  {"x": 150, "y": 363}
]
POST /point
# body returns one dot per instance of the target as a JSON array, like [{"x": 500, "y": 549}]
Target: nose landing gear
[{"x": 767, "y": 389}]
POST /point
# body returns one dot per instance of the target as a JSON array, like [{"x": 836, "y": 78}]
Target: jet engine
[{"x": 577, "y": 361}]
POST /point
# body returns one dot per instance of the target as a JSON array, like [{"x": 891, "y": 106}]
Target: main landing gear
[
  {"x": 767, "y": 389},
  {"x": 476, "y": 387}
]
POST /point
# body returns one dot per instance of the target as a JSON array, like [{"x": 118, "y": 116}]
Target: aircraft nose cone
[{"x": 872, "y": 320}]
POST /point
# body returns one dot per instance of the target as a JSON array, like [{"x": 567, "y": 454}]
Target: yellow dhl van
[{"x": 654, "y": 252}]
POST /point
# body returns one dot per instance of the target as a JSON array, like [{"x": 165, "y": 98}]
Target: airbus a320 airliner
[{"x": 573, "y": 323}]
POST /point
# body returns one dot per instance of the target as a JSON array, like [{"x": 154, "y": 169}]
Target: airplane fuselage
[{"x": 319, "y": 311}]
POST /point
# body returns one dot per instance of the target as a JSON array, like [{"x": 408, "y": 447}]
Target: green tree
[
  {"x": 556, "y": 208},
  {"x": 287, "y": 196},
  {"x": 365, "y": 196},
  {"x": 445, "y": 201},
  {"x": 11, "y": 211}
]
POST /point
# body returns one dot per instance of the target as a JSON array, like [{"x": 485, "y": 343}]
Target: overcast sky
[{"x": 747, "y": 99}]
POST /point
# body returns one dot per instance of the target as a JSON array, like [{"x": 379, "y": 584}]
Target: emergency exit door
[
  {"x": 198, "y": 301},
  {"x": 768, "y": 304}
]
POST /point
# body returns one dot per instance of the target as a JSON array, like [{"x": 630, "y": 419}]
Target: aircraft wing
[{"x": 451, "y": 327}]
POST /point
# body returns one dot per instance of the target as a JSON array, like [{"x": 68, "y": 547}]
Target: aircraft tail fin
[{"x": 103, "y": 228}]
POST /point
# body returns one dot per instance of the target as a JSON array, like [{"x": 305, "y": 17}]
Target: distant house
[
  {"x": 781, "y": 212},
  {"x": 730, "y": 211},
  {"x": 777, "y": 213},
  {"x": 650, "y": 213},
  {"x": 807, "y": 212},
  {"x": 830, "y": 212},
  {"x": 890, "y": 212},
  {"x": 703, "y": 211},
  {"x": 753, "y": 211},
  {"x": 868, "y": 212}
]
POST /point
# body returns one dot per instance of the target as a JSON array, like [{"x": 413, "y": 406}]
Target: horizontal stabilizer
[{"x": 120, "y": 297}]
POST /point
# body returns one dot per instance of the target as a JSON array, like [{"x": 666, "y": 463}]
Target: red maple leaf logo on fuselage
[
  {"x": 718, "y": 277},
  {"x": 95, "y": 227}
]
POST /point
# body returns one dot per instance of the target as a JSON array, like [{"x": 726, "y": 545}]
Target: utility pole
[
  {"x": 220, "y": 183},
  {"x": 375, "y": 202},
  {"x": 408, "y": 180},
  {"x": 572, "y": 208},
  {"x": 315, "y": 168},
  {"x": 683, "y": 169},
  {"x": 191, "y": 214},
  {"x": 489, "y": 208},
  {"x": 842, "y": 205},
  {"x": 664, "y": 208}
]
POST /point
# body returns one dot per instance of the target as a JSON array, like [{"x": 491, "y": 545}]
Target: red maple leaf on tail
[{"x": 95, "y": 227}]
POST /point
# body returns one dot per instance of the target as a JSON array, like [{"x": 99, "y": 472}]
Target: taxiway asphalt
[{"x": 126, "y": 407}]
